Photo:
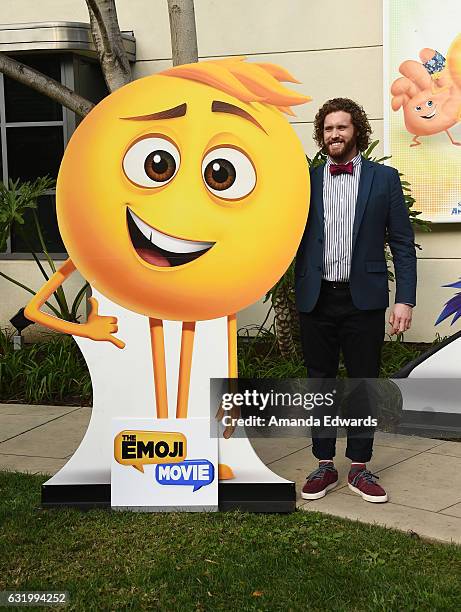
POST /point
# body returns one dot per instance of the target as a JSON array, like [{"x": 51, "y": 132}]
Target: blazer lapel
[
  {"x": 317, "y": 194},
  {"x": 366, "y": 179}
]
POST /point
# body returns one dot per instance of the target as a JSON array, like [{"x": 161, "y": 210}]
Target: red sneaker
[
  {"x": 324, "y": 478},
  {"x": 364, "y": 483}
]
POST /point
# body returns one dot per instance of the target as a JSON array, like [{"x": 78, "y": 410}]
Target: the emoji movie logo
[
  {"x": 169, "y": 449},
  {"x": 192, "y": 472},
  {"x": 137, "y": 448}
]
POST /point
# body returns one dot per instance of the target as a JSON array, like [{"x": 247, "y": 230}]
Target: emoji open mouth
[
  {"x": 160, "y": 249},
  {"x": 431, "y": 116}
]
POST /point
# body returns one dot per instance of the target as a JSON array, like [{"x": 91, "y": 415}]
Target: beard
[{"x": 338, "y": 154}]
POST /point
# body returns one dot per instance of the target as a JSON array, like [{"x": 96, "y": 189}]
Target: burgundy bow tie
[{"x": 341, "y": 168}]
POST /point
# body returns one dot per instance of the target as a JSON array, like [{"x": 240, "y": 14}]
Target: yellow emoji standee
[{"x": 182, "y": 196}]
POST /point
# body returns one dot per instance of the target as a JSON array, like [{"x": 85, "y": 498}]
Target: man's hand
[{"x": 400, "y": 318}]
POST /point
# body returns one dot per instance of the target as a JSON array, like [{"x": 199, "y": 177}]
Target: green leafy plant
[
  {"x": 17, "y": 199},
  {"x": 282, "y": 295},
  {"x": 52, "y": 372},
  {"x": 55, "y": 372},
  {"x": 259, "y": 356}
]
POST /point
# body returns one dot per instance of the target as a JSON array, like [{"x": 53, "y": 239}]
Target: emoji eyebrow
[
  {"x": 224, "y": 107},
  {"x": 169, "y": 113}
]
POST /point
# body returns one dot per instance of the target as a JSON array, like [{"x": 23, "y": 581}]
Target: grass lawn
[{"x": 223, "y": 561}]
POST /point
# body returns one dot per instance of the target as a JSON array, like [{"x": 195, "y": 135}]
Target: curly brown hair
[{"x": 359, "y": 121}]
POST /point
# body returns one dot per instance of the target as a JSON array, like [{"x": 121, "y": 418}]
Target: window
[{"x": 34, "y": 131}]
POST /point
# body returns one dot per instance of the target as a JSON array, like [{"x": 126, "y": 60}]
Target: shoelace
[
  {"x": 320, "y": 471},
  {"x": 366, "y": 474}
]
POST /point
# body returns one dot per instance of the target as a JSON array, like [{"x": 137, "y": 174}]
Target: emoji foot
[{"x": 225, "y": 472}]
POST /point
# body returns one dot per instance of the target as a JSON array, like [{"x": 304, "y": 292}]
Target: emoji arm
[
  {"x": 96, "y": 327},
  {"x": 33, "y": 312}
]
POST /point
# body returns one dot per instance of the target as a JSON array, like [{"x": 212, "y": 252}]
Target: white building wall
[{"x": 334, "y": 49}]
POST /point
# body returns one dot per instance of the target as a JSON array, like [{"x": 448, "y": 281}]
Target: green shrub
[
  {"x": 52, "y": 372},
  {"x": 259, "y": 357},
  {"x": 16, "y": 200}
]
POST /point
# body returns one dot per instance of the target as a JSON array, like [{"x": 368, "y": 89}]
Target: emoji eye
[
  {"x": 151, "y": 162},
  {"x": 429, "y": 103},
  {"x": 228, "y": 173},
  {"x": 417, "y": 108}
]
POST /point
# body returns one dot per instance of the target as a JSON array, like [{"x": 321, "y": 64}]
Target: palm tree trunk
[
  {"x": 284, "y": 325},
  {"x": 108, "y": 42},
  {"x": 183, "y": 31}
]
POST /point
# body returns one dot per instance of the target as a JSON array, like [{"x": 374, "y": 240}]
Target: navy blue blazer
[{"x": 380, "y": 210}]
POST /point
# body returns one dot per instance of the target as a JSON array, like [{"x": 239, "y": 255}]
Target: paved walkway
[{"x": 422, "y": 476}]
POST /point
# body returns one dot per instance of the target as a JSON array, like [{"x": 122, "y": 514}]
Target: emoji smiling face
[
  {"x": 179, "y": 201},
  {"x": 429, "y": 109},
  {"x": 428, "y": 113}
]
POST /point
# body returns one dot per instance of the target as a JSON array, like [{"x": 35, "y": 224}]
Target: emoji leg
[
  {"x": 225, "y": 472},
  {"x": 232, "y": 346},
  {"x": 455, "y": 142},
  {"x": 158, "y": 361},
  {"x": 415, "y": 142},
  {"x": 232, "y": 371},
  {"x": 185, "y": 365}
]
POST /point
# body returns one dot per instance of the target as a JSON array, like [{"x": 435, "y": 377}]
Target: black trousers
[{"x": 337, "y": 325}]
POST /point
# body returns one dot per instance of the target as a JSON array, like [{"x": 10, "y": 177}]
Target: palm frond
[{"x": 452, "y": 307}]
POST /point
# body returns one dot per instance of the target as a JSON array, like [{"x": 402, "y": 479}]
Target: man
[{"x": 341, "y": 278}]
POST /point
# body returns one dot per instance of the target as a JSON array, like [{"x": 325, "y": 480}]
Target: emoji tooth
[{"x": 165, "y": 242}]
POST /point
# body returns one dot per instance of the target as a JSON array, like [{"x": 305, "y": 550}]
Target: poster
[{"x": 422, "y": 102}]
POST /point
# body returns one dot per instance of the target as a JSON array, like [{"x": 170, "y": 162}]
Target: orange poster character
[{"x": 429, "y": 92}]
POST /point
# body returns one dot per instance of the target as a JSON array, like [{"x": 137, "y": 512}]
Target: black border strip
[
  {"x": 258, "y": 496},
  {"x": 248, "y": 497},
  {"x": 430, "y": 424},
  {"x": 84, "y": 496}
]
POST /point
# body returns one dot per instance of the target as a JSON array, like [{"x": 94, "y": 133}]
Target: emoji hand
[
  {"x": 225, "y": 472},
  {"x": 429, "y": 106},
  {"x": 233, "y": 413},
  {"x": 101, "y": 328}
]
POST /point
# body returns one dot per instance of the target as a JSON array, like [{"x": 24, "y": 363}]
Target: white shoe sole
[
  {"x": 374, "y": 499},
  {"x": 320, "y": 494}
]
